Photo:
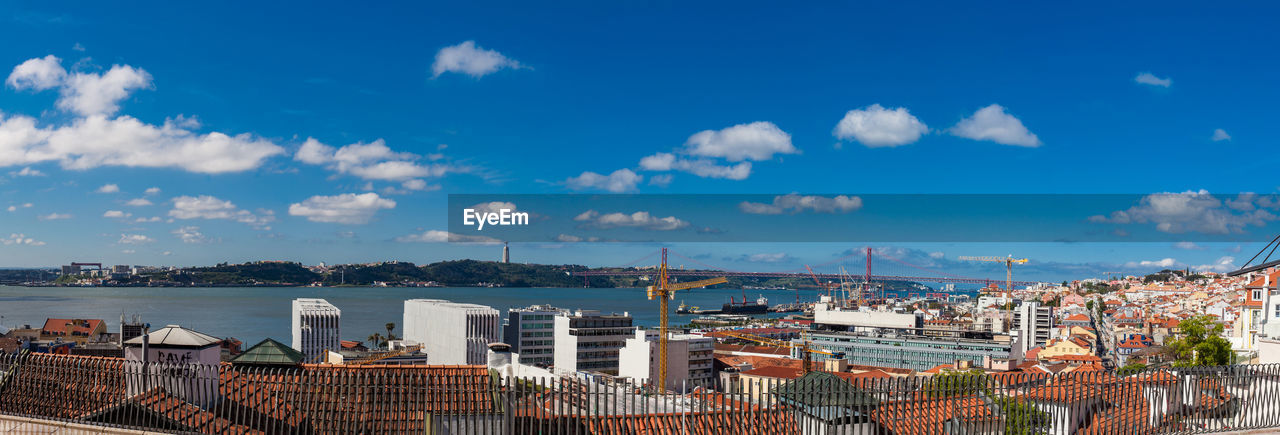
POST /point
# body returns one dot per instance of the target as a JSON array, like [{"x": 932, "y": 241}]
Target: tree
[
  {"x": 1132, "y": 368},
  {"x": 1088, "y": 305},
  {"x": 1021, "y": 417},
  {"x": 375, "y": 339},
  {"x": 1200, "y": 343},
  {"x": 391, "y": 326}
]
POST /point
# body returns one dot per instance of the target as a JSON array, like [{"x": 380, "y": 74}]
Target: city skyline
[{"x": 325, "y": 139}]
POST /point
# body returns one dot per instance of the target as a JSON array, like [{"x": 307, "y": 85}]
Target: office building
[
  {"x": 451, "y": 333},
  {"x": 316, "y": 327},
  {"x": 918, "y": 352},
  {"x": 531, "y": 333},
  {"x": 588, "y": 341},
  {"x": 690, "y": 360},
  {"x": 1034, "y": 323}
]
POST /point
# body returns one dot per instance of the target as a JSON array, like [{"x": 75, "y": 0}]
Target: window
[
  {"x": 1277, "y": 313},
  {"x": 1257, "y": 295}
]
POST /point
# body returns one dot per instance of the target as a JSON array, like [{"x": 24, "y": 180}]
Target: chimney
[{"x": 499, "y": 355}]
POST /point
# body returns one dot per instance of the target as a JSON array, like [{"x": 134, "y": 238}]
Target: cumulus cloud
[
  {"x": 1220, "y": 135},
  {"x": 109, "y": 188},
  {"x": 115, "y": 214},
  {"x": 152, "y": 190},
  {"x": 467, "y": 58},
  {"x": 1221, "y": 265},
  {"x": 437, "y": 236},
  {"x": 95, "y": 137},
  {"x": 639, "y": 219},
  {"x": 494, "y": 206},
  {"x": 1163, "y": 263},
  {"x": 991, "y": 123},
  {"x": 568, "y": 238},
  {"x": 13, "y": 208},
  {"x": 134, "y": 239},
  {"x": 796, "y": 203},
  {"x": 1147, "y": 78},
  {"x": 208, "y": 207},
  {"x": 372, "y": 161},
  {"x": 20, "y": 239},
  {"x": 1193, "y": 211},
  {"x": 755, "y": 141},
  {"x": 876, "y": 126},
  {"x": 54, "y": 216},
  {"x": 1188, "y": 246},
  {"x": 773, "y": 257},
  {"x": 622, "y": 180},
  {"x": 27, "y": 172},
  {"x": 143, "y": 220},
  {"x": 138, "y": 202},
  {"x": 347, "y": 208},
  {"x": 190, "y": 234}
]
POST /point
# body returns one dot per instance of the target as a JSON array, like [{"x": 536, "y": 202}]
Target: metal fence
[{"x": 476, "y": 400}]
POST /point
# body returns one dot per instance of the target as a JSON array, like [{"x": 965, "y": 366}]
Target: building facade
[
  {"x": 451, "y": 333},
  {"x": 690, "y": 359},
  {"x": 589, "y": 341},
  {"x": 317, "y": 327},
  {"x": 914, "y": 352},
  {"x": 1034, "y": 324},
  {"x": 531, "y": 333}
]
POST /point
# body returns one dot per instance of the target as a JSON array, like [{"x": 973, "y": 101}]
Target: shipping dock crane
[
  {"x": 1008, "y": 263},
  {"x": 806, "y": 348},
  {"x": 664, "y": 291}
]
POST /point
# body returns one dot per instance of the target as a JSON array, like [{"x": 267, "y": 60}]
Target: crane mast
[{"x": 664, "y": 291}]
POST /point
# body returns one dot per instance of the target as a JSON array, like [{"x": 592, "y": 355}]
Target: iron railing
[{"x": 376, "y": 399}]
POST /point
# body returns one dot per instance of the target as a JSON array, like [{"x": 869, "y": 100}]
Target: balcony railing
[{"x": 230, "y": 399}]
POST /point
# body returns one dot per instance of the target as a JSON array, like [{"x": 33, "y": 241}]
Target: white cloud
[
  {"x": 95, "y": 138},
  {"x": 1147, "y": 78},
  {"x": 127, "y": 251},
  {"x": 1221, "y": 265},
  {"x": 20, "y": 239},
  {"x": 190, "y": 234},
  {"x": 147, "y": 220},
  {"x": 437, "y": 236},
  {"x": 116, "y": 214},
  {"x": 567, "y": 238},
  {"x": 54, "y": 216},
  {"x": 705, "y": 168},
  {"x": 991, "y": 123},
  {"x": 209, "y": 207},
  {"x": 134, "y": 239},
  {"x": 109, "y": 188},
  {"x": 27, "y": 172},
  {"x": 467, "y": 58},
  {"x": 138, "y": 202},
  {"x": 622, "y": 180},
  {"x": 1161, "y": 263},
  {"x": 152, "y": 190},
  {"x": 661, "y": 180},
  {"x": 639, "y": 219},
  {"x": 1220, "y": 135},
  {"x": 775, "y": 257},
  {"x": 494, "y": 206},
  {"x": 347, "y": 208},
  {"x": 414, "y": 184},
  {"x": 1193, "y": 211},
  {"x": 937, "y": 255},
  {"x": 755, "y": 141},
  {"x": 796, "y": 203},
  {"x": 875, "y": 126},
  {"x": 16, "y": 207},
  {"x": 37, "y": 74},
  {"x": 1188, "y": 246},
  {"x": 371, "y": 161}
]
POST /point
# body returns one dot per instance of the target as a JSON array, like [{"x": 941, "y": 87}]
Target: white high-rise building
[
  {"x": 1034, "y": 323},
  {"x": 316, "y": 327},
  {"x": 531, "y": 333},
  {"x": 589, "y": 341},
  {"x": 690, "y": 359},
  {"x": 451, "y": 333}
]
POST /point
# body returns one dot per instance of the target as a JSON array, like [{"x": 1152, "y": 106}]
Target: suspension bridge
[{"x": 893, "y": 270}]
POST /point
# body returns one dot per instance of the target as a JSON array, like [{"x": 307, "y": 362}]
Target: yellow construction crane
[
  {"x": 806, "y": 348},
  {"x": 664, "y": 291},
  {"x": 1008, "y": 263}
]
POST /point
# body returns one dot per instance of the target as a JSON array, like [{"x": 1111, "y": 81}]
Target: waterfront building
[
  {"x": 316, "y": 327},
  {"x": 589, "y": 341},
  {"x": 451, "y": 333},
  {"x": 690, "y": 359},
  {"x": 79, "y": 331},
  {"x": 531, "y": 333}
]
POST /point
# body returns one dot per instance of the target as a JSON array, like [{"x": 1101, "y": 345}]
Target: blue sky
[{"x": 517, "y": 98}]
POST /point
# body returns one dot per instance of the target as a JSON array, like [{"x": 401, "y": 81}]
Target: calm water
[{"x": 251, "y": 314}]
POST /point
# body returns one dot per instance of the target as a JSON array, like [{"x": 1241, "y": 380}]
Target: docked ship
[{"x": 760, "y": 306}]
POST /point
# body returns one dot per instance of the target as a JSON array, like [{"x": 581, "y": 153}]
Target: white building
[
  {"x": 451, "y": 333},
  {"x": 589, "y": 341},
  {"x": 1034, "y": 323},
  {"x": 531, "y": 333},
  {"x": 690, "y": 359},
  {"x": 316, "y": 327}
]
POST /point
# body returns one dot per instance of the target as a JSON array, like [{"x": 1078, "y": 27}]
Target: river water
[{"x": 251, "y": 314}]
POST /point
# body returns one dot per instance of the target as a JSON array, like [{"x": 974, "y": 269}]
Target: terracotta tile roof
[
  {"x": 161, "y": 405},
  {"x": 1064, "y": 391},
  {"x": 63, "y": 386},
  {"x": 59, "y": 326},
  {"x": 926, "y": 415},
  {"x": 775, "y": 372},
  {"x": 770, "y": 422},
  {"x": 1075, "y": 358},
  {"x": 1077, "y": 318},
  {"x": 767, "y": 350}
]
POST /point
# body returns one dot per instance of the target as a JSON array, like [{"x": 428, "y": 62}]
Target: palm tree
[
  {"x": 375, "y": 338},
  {"x": 391, "y": 326}
]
